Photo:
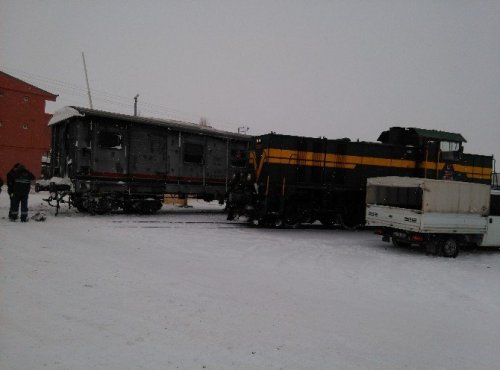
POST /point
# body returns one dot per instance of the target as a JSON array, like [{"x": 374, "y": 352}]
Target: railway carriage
[
  {"x": 104, "y": 161},
  {"x": 292, "y": 180}
]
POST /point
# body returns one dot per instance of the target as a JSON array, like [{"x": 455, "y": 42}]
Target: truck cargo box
[
  {"x": 441, "y": 215},
  {"x": 429, "y": 195}
]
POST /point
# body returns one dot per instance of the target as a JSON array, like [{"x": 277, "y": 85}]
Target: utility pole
[
  {"x": 87, "y": 80},
  {"x": 135, "y": 104}
]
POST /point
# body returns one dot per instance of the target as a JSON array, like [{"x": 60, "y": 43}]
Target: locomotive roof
[
  {"x": 423, "y": 133},
  {"x": 66, "y": 113},
  {"x": 400, "y": 135},
  {"x": 439, "y": 135}
]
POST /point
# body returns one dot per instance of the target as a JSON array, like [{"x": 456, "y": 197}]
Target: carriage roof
[{"x": 69, "y": 112}]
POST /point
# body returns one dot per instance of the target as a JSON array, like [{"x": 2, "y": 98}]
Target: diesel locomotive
[
  {"x": 102, "y": 161},
  {"x": 291, "y": 180}
]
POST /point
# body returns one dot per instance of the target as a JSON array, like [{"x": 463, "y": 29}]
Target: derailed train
[
  {"x": 106, "y": 161},
  {"x": 291, "y": 180}
]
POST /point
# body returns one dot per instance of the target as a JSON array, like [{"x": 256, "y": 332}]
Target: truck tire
[
  {"x": 449, "y": 248},
  {"x": 399, "y": 244}
]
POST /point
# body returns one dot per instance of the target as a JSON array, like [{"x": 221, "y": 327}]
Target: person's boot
[{"x": 24, "y": 219}]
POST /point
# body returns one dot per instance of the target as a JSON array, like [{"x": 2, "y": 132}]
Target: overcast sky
[{"x": 316, "y": 68}]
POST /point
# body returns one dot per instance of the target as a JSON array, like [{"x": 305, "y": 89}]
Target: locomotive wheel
[
  {"x": 79, "y": 204},
  {"x": 81, "y": 208},
  {"x": 292, "y": 221},
  {"x": 259, "y": 222},
  {"x": 99, "y": 207},
  {"x": 94, "y": 208},
  {"x": 328, "y": 222},
  {"x": 449, "y": 248},
  {"x": 230, "y": 214},
  {"x": 265, "y": 221},
  {"x": 149, "y": 207},
  {"x": 128, "y": 208},
  {"x": 348, "y": 222}
]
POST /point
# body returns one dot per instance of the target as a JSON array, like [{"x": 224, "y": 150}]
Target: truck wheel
[
  {"x": 449, "y": 248},
  {"x": 399, "y": 244},
  {"x": 348, "y": 222}
]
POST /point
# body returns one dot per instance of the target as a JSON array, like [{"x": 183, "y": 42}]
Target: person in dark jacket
[{"x": 18, "y": 186}]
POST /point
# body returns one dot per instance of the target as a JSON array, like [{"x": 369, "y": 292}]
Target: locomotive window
[
  {"x": 449, "y": 146},
  {"x": 495, "y": 205},
  {"x": 449, "y": 150},
  {"x": 410, "y": 198},
  {"x": 109, "y": 140},
  {"x": 238, "y": 158},
  {"x": 193, "y": 153}
]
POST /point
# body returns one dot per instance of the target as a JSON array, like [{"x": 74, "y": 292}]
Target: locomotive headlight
[{"x": 249, "y": 177}]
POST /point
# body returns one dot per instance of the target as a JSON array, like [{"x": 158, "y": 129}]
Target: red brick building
[{"x": 24, "y": 133}]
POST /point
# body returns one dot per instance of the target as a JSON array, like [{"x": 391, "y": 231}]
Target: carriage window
[
  {"x": 193, "y": 153},
  {"x": 238, "y": 158},
  {"x": 109, "y": 140}
]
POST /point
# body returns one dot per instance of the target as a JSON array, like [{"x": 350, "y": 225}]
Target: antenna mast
[
  {"x": 87, "y": 80},
  {"x": 135, "y": 104},
  {"x": 243, "y": 129}
]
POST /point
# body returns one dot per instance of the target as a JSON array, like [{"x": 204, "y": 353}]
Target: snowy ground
[{"x": 185, "y": 289}]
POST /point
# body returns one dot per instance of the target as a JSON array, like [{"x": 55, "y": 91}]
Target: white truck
[{"x": 441, "y": 215}]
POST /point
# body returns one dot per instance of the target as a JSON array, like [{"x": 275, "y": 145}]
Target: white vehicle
[{"x": 440, "y": 215}]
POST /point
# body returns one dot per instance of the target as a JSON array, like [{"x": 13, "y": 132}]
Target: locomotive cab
[{"x": 441, "y": 154}]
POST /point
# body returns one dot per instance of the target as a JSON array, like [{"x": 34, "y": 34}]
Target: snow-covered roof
[
  {"x": 69, "y": 112},
  {"x": 63, "y": 114},
  {"x": 20, "y": 85}
]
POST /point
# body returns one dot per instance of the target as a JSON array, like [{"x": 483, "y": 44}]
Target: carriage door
[
  {"x": 148, "y": 153},
  {"x": 109, "y": 158}
]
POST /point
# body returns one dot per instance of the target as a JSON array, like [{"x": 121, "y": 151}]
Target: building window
[
  {"x": 26, "y": 99},
  {"x": 24, "y": 126}
]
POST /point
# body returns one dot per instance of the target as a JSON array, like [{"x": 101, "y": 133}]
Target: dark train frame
[
  {"x": 292, "y": 179},
  {"x": 102, "y": 161}
]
